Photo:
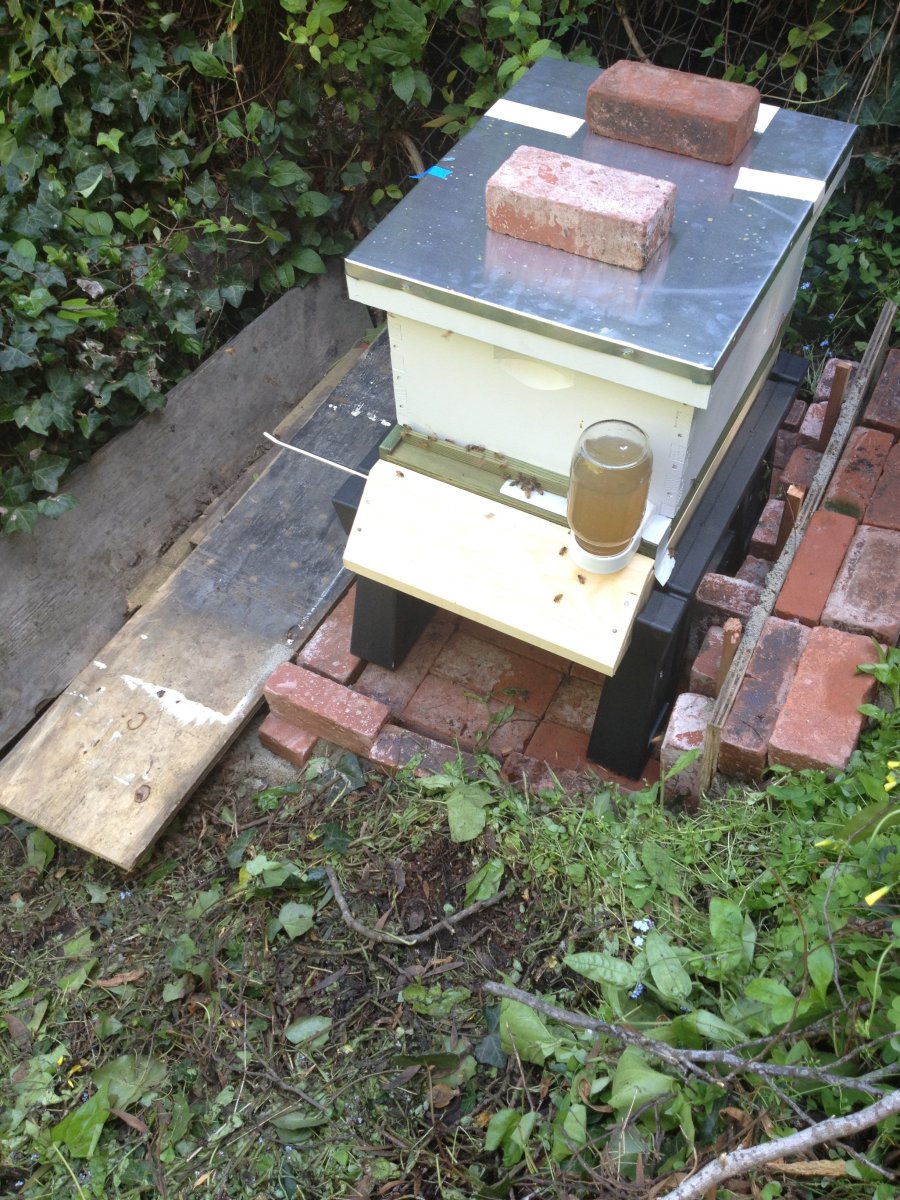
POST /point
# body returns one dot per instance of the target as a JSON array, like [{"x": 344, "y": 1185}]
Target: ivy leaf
[
  {"x": 47, "y": 474},
  {"x": 20, "y": 519},
  {"x": 282, "y": 173},
  {"x": 111, "y": 139},
  {"x": 309, "y": 260},
  {"x": 17, "y": 353},
  {"x": 86, "y": 181},
  {"x": 54, "y": 506},
  {"x": 207, "y": 64}
]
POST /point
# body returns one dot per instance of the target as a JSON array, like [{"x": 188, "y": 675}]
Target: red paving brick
[
  {"x": 794, "y": 419},
  {"x": 444, "y": 710},
  {"x": 686, "y": 731},
  {"x": 559, "y": 746},
  {"x": 395, "y": 688},
  {"x": 811, "y": 429},
  {"x": 826, "y": 379},
  {"x": 507, "y": 642},
  {"x": 328, "y": 650},
  {"x": 326, "y": 708},
  {"x": 574, "y": 703},
  {"x": 745, "y": 736},
  {"x": 765, "y": 536},
  {"x": 395, "y": 748},
  {"x": 857, "y": 472},
  {"x": 696, "y": 115},
  {"x": 723, "y": 596},
  {"x": 800, "y": 469},
  {"x": 754, "y": 570},
  {"x": 815, "y": 567},
  {"x": 490, "y": 670},
  {"x": 883, "y": 409},
  {"x": 705, "y": 669},
  {"x": 884, "y": 507},
  {"x": 819, "y": 723},
  {"x": 866, "y": 593},
  {"x": 286, "y": 740}
]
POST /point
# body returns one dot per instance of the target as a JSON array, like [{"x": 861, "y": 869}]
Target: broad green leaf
[
  {"x": 726, "y": 928},
  {"x": 208, "y": 65},
  {"x": 308, "y": 1029},
  {"x": 80, "y": 1130},
  {"x": 128, "y": 1078},
  {"x": 670, "y": 978},
  {"x": 282, "y": 172},
  {"x": 403, "y": 83},
  {"x": 500, "y": 1126},
  {"x": 111, "y": 139},
  {"x": 75, "y": 980},
  {"x": 601, "y": 967},
  {"x": 636, "y": 1082},
  {"x": 47, "y": 473},
  {"x": 820, "y": 964},
  {"x": 86, "y": 181},
  {"x": 296, "y": 919},
  {"x": 524, "y": 1032},
  {"x": 707, "y": 1026},
  {"x": 309, "y": 260},
  {"x": 569, "y": 1132},
  {"x": 40, "y": 849},
  {"x": 465, "y": 811},
  {"x": 485, "y": 883}
]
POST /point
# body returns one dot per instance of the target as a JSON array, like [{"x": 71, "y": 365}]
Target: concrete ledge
[{"x": 65, "y": 586}]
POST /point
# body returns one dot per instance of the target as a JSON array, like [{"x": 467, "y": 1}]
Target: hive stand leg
[
  {"x": 635, "y": 701},
  {"x": 386, "y": 623}
]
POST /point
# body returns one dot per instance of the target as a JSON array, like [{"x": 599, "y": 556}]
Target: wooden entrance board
[
  {"x": 508, "y": 569},
  {"x": 115, "y": 756}
]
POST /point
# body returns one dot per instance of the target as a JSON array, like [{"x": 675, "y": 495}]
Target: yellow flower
[{"x": 874, "y": 897}]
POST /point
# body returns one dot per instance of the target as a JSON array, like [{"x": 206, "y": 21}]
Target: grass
[{"x": 210, "y": 1026}]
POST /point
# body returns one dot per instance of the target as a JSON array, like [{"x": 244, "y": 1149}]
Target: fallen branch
[
  {"x": 688, "y": 1060},
  {"x": 394, "y": 939},
  {"x": 738, "y": 1162}
]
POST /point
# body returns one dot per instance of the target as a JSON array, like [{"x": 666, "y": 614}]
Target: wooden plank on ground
[
  {"x": 507, "y": 569},
  {"x": 114, "y": 757},
  {"x": 63, "y": 588}
]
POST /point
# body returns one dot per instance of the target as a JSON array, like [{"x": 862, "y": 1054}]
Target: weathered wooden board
[
  {"x": 114, "y": 757},
  {"x": 504, "y": 568},
  {"x": 64, "y": 588}
]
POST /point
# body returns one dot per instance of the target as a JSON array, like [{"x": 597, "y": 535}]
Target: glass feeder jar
[{"x": 608, "y": 486}]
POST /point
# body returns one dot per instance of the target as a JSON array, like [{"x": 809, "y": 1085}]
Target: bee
[
  {"x": 563, "y": 551},
  {"x": 557, "y": 597}
]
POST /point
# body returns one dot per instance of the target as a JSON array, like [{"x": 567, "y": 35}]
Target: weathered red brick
[
  {"x": 815, "y": 567},
  {"x": 866, "y": 594},
  {"x": 883, "y": 409},
  {"x": 826, "y": 378},
  {"x": 671, "y": 110},
  {"x": 560, "y": 747},
  {"x": 506, "y": 641},
  {"x": 786, "y": 442},
  {"x": 819, "y": 723},
  {"x": 395, "y": 749},
  {"x": 723, "y": 596},
  {"x": 754, "y": 570},
  {"x": 765, "y": 536},
  {"x": 884, "y": 507},
  {"x": 858, "y": 471},
  {"x": 325, "y": 708},
  {"x": 586, "y": 208},
  {"x": 575, "y": 703},
  {"x": 537, "y": 776},
  {"x": 292, "y": 742},
  {"x": 489, "y": 670},
  {"x": 800, "y": 469},
  {"x": 743, "y": 749},
  {"x": 686, "y": 731},
  {"x": 328, "y": 650},
  {"x": 705, "y": 670},
  {"x": 395, "y": 688},
  {"x": 796, "y": 413},
  {"x": 444, "y": 710},
  {"x": 811, "y": 429}
]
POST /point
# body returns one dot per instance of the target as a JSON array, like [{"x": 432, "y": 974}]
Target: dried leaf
[
  {"x": 18, "y": 1032},
  {"x": 123, "y": 977},
  {"x": 130, "y": 1120},
  {"x": 832, "y": 1168}
]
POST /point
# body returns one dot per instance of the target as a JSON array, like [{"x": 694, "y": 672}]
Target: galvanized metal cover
[{"x": 734, "y": 227}]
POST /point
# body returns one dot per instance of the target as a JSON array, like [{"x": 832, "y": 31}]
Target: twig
[
  {"x": 687, "y": 1060},
  {"x": 377, "y": 935},
  {"x": 738, "y": 1162},
  {"x": 629, "y": 32},
  {"x": 808, "y": 1121}
]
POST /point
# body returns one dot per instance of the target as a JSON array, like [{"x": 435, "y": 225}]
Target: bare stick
[
  {"x": 377, "y": 935},
  {"x": 835, "y": 400},
  {"x": 731, "y": 636},
  {"x": 738, "y": 1162},
  {"x": 793, "y": 502},
  {"x": 687, "y": 1060}
]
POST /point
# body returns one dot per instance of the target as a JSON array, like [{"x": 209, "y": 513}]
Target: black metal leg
[
  {"x": 386, "y": 623},
  {"x": 635, "y": 701}
]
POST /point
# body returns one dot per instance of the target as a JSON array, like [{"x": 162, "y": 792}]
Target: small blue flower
[{"x": 638, "y": 991}]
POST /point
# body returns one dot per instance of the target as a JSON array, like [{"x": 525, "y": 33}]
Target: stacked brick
[{"x": 799, "y": 700}]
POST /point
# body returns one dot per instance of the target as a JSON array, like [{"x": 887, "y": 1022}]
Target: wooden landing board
[
  {"x": 488, "y": 561},
  {"x": 115, "y": 756}
]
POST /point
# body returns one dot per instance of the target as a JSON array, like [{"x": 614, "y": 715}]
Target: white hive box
[{"x": 516, "y": 347}]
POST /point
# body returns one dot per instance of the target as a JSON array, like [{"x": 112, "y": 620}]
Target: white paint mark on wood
[
  {"x": 175, "y": 704},
  {"x": 101, "y": 666}
]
